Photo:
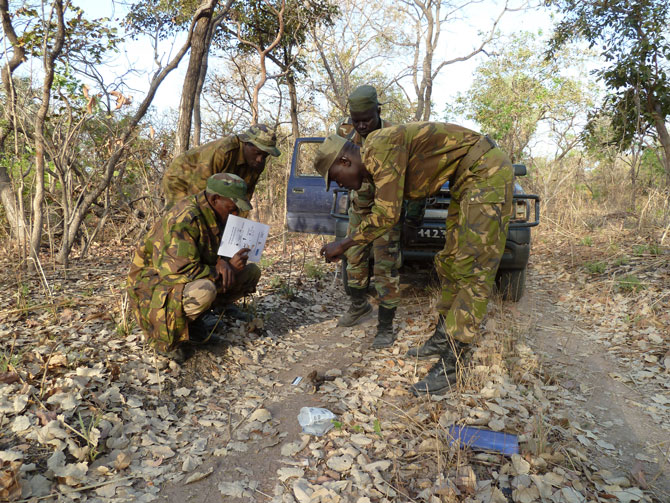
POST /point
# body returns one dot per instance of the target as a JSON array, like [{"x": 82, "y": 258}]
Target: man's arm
[{"x": 386, "y": 159}]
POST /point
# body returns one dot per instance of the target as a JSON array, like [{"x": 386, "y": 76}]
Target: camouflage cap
[
  {"x": 363, "y": 98},
  {"x": 261, "y": 136},
  {"x": 326, "y": 155},
  {"x": 230, "y": 186}
]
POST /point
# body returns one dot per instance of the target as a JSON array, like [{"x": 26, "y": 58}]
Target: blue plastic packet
[{"x": 484, "y": 440}]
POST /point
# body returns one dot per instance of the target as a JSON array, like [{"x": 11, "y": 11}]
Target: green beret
[
  {"x": 230, "y": 186},
  {"x": 326, "y": 155},
  {"x": 363, "y": 98},
  {"x": 261, "y": 136}
]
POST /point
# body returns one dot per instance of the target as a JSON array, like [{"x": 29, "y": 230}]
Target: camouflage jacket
[
  {"x": 410, "y": 161},
  {"x": 188, "y": 172},
  {"x": 363, "y": 198},
  {"x": 181, "y": 247},
  {"x": 345, "y": 129}
]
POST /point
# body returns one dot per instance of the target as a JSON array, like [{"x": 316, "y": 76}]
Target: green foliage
[
  {"x": 652, "y": 249},
  {"x": 285, "y": 290},
  {"x": 639, "y": 249},
  {"x": 163, "y": 17},
  {"x": 8, "y": 360},
  {"x": 90, "y": 434},
  {"x": 378, "y": 427},
  {"x": 619, "y": 261},
  {"x": 313, "y": 270},
  {"x": 517, "y": 89},
  {"x": 634, "y": 41},
  {"x": 267, "y": 261},
  {"x": 586, "y": 241},
  {"x": 596, "y": 267},
  {"x": 630, "y": 283}
]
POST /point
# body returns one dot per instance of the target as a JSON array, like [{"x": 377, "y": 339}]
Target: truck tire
[{"x": 511, "y": 284}]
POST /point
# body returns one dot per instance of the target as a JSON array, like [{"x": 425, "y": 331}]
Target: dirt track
[{"x": 580, "y": 389}]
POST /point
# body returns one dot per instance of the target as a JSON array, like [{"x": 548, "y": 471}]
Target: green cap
[
  {"x": 230, "y": 186},
  {"x": 326, "y": 155},
  {"x": 363, "y": 98},
  {"x": 261, "y": 136}
]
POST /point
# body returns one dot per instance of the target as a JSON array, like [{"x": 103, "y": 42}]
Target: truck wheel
[{"x": 511, "y": 284}]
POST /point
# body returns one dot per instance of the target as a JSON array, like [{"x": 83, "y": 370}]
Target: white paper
[{"x": 242, "y": 233}]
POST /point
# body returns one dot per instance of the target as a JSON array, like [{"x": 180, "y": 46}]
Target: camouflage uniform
[
  {"x": 187, "y": 174},
  {"x": 385, "y": 249},
  {"x": 173, "y": 276},
  {"x": 413, "y": 161}
]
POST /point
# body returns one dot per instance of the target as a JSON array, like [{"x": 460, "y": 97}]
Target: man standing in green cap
[
  {"x": 243, "y": 154},
  {"x": 413, "y": 161},
  {"x": 364, "y": 118},
  {"x": 176, "y": 274}
]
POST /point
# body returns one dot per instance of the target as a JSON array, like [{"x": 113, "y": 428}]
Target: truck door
[{"x": 308, "y": 205}]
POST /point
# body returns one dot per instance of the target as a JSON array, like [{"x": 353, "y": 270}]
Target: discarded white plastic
[{"x": 315, "y": 420}]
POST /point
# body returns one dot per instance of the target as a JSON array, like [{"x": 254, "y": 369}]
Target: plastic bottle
[{"x": 315, "y": 420}]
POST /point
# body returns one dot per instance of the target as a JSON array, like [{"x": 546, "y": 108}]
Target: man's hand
[
  {"x": 239, "y": 260},
  {"x": 226, "y": 272},
  {"x": 334, "y": 251}
]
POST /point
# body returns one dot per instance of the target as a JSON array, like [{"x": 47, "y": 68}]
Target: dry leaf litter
[{"x": 88, "y": 413}]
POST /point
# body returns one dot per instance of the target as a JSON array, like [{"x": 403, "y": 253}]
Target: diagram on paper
[{"x": 242, "y": 233}]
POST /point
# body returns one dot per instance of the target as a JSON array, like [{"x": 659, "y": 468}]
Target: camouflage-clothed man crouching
[
  {"x": 176, "y": 274},
  {"x": 365, "y": 117},
  {"x": 242, "y": 154},
  {"x": 413, "y": 161}
]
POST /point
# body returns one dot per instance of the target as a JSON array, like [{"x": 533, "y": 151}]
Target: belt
[{"x": 483, "y": 145}]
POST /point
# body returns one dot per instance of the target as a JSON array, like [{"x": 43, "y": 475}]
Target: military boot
[
  {"x": 359, "y": 308},
  {"x": 201, "y": 330},
  {"x": 385, "y": 335},
  {"x": 444, "y": 374},
  {"x": 436, "y": 345}
]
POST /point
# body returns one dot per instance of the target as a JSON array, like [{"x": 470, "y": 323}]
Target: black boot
[
  {"x": 436, "y": 345},
  {"x": 359, "y": 308},
  {"x": 201, "y": 330},
  {"x": 234, "y": 312},
  {"x": 177, "y": 355},
  {"x": 385, "y": 335},
  {"x": 442, "y": 375}
]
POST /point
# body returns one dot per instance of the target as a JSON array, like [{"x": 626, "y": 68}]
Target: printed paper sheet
[{"x": 242, "y": 233}]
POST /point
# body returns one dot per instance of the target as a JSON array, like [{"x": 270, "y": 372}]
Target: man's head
[
  {"x": 227, "y": 193},
  {"x": 364, "y": 110},
  {"x": 257, "y": 143},
  {"x": 340, "y": 160}
]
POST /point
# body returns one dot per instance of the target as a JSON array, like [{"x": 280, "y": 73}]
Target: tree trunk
[
  {"x": 199, "y": 47},
  {"x": 197, "y": 118},
  {"x": 293, "y": 109},
  {"x": 40, "y": 119},
  {"x": 14, "y": 216},
  {"x": 662, "y": 131}
]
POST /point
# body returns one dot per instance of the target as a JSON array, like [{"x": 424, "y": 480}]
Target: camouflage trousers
[
  {"x": 384, "y": 250},
  {"x": 201, "y": 294},
  {"x": 476, "y": 231}
]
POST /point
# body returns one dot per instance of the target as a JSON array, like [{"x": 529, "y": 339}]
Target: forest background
[{"x": 582, "y": 101}]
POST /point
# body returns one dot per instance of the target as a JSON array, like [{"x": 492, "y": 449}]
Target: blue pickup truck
[{"x": 309, "y": 208}]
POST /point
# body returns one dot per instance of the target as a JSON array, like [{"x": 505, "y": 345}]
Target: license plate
[{"x": 430, "y": 233}]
